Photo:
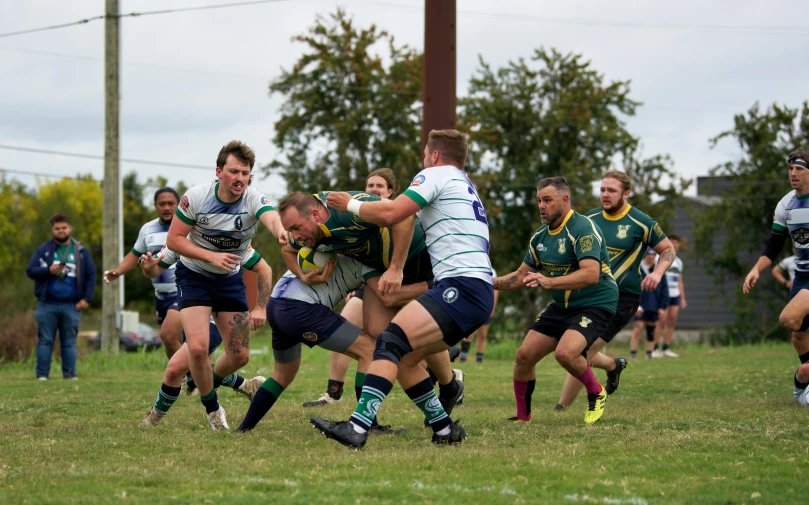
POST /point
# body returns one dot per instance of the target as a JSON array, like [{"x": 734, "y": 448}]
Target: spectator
[{"x": 65, "y": 278}]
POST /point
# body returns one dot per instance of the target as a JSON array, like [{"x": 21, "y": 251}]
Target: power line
[
  {"x": 98, "y": 157},
  {"x": 137, "y": 14},
  {"x": 37, "y": 174}
]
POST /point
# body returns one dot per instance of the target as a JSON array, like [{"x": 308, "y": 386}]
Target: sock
[
  {"x": 798, "y": 383},
  {"x": 657, "y": 346},
  {"x": 335, "y": 388},
  {"x": 804, "y": 357},
  {"x": 589, "y": 381},
  {"x": 433, "y": 377},
  {"x": 479, "y": 357},
  {"x": 423, "y": 395},
  {"x": 633, "y": 354},
  {"x": 465, "y": 349},
  {"x": 359, "y": 381},
  {"x": 167, "y": 396},
  {"x": 522, "y": 393},
  {"x": 265, "y": 398},
  {"x": 648, "y": 354},
  {"x": 189, "y": 382},
  {"x": 665, "y": 347},
  {"x": 448, "y": 390},
  {"x": 233, "y": 380},
  {"x": 211, "y": 401},
  {"x": 374, "y": 391}
]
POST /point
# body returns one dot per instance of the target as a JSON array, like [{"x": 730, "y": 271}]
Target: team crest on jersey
[
  {"x": 184, "y": 203},
  {"x": 623, "y": 229},
  {"x": 310, "y": 336},
  {"x": 801, "y": 236},
  {"x": 237, "y": 223},
  {"x": 585, "y": 322},
  {"x": 203, "y": 220},
  {"x": 562, "y": 248},
  {"x": 264, "y": 201},
  {"x": 450, "y": 295},
  {"x": 418, "y": 180},
  {"x": 325, "y": 247},
  {"x": 586, "y": 243},
  {"x": 541, "y": 247}
]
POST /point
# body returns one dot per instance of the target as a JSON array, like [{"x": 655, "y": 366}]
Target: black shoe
[
  {"x": 516, "y": 419},
  {"x": 559, "y": 407},
  {"x": 454, "y": 352},
  {"x": 379, "y": 429},
  {"x": 341, "y": 431},
  {"x": 449, "y": 403},
  {"x": 614, "y": 377},
  {"x": 456, "y": 435}
]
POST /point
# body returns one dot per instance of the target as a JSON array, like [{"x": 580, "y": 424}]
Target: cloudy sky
[{"x": 191, "y": 81}]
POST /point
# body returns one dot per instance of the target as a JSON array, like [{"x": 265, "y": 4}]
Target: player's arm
[
  {"x": 272, "y": 221},
  {"x": 379, "y": 212},
  {"x": 681, "y": 285},
  {"x": 290, "y": 257},
  {"x": 399, "y": 298},
  {"x": 152, "y": 266},
  {"x": 177, "y": 241},
  {"x": 588, "y": 274},
  {"x": 391, "y": 280},
  {"x": 778, "y": 237},
  {"x": 514, "y": 280},
  {"x": 778, "y": 273},
  {"x": 258, "y": 316},
  {"x": 667, "y": 255},
  {"x": 129, "y": 262}
]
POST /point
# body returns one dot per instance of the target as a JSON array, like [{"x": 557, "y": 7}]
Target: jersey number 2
[{"x": 477, "y": 208}]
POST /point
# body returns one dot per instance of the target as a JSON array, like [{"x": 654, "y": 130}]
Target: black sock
[
  {"x": 189, "y": 382},
  {"x": 238, "y": 382},
  {"x": 433, "y": 377},
  {"x": 665, "y": 347},
  {"x": 335, "y": 389},
  {"x": 262, "y": 402},
  {"x": 529, "y": 391},
  {"x": 799, "y": 384},
  {"x": 211, "y": 401},
  {"x": 804, "y": 357},
  {"x": 479, "y": 357},
  {"x": 633, "y": 353},
  {"x": 448, "y": 390},
  {"x": 465, "y": 346}
]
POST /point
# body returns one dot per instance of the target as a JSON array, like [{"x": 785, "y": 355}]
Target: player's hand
[
  {"x": 111, "y": 275},
  {"x": 651, "y": 281},
  {"x": 283, "y": 237},
  {"x": 750, "y": 280},
  {"x": 82, "y": 304},
  {"x": 147, "y": 262},
  {"x": 225, "y": 261},
  {"x": 536, "y": 279},
  {"x": 391, "y": 281},
  {"x": 258, "y": 317},
  {"x": 56, "y": 269},
  {"x": 683, "y": 304},
  {"x": 338, "y": 200},
  {"x": 788, "y": 284},
  {"x": 639, "y": 313},
  {"x": 349, "y": 296},
  {"x": 319, "y": 276}
]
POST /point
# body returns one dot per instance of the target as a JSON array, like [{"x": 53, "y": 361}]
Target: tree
[
  {"x": 351, "y": 105},
  {"x": 655, "y": 185},
  {"x": 730, "y": 234},
  {"x": 551, "y": 115}
]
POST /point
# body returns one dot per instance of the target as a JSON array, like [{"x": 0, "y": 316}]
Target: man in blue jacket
[{"x": 65, "y": 278}]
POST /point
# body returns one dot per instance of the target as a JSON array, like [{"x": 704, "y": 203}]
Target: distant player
[
  {"x": 457, "y": 233},
  {"x": 676, "y": 286},
  {"x": 567, "y": 256},
  {"x": 652, "y": 308},
  {"x": 790, "y": 220},
  {"x": 784, "y": 271},
  {"x": 214, "y": 225}
]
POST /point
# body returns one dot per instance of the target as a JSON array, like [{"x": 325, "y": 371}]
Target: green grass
[{"x": 715, "y": 426}]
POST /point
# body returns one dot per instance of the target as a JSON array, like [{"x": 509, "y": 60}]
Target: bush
[{"x": 18, "y": 336}]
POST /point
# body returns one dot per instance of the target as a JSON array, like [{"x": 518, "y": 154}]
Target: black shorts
[
  {"x": 589, "y": 321},
  {"x": 419, "y": 268},
  {"x": 627, "y": 306},
  {"x": 359, "y": 292}
]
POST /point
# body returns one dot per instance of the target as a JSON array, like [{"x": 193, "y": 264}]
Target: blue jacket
[
  {"x": 652, "y": 301},
  {"x": 41, "y": 261}
]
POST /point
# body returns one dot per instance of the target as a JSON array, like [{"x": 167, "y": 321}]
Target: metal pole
[
  {"x": 110, "y": 242},
  {"x": 439, "y": 67}
]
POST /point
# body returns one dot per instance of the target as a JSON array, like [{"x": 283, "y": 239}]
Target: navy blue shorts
[
  {"x": 650, "y": 316},
  {"x": 674, "y": 301},
  {"x": 164, "y": 303},
  {"x": 460, "y": 305},
  {"x": 215, "y": 340},
  {"x": 293, "y": 322},
  {"x": 223, "y": 293},
  {"x": 801, "y": 281}
]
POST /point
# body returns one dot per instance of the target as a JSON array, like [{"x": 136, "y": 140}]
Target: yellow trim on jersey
[
  {"x": 561, "y": 226},
  {"x": 325, "y": 230},
  {"x": 628, "y": 262},
  {"x": 567, "y": 297},
  {"x": 531, "y": 247},
  {"x": 616, "y": 217},
  {"x": 644, "y": 228},
  {"x": 385, "y": 246}
]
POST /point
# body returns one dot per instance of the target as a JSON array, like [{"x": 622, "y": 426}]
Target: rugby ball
[{"x": 309, "y": 259}]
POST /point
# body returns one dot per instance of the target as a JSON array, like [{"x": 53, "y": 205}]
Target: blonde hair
[
  {"x": 450, "y": 143},
  {"x": 622, "y": 177}
]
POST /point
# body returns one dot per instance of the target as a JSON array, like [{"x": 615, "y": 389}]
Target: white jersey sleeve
[
  {"x": 779, "y": 220},
  {"x": 140, "y": 247}
]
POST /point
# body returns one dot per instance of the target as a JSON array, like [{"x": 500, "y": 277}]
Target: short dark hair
[
  {"x": 450, "y": 143},
  {"x": 557, "y": 182},
  {"x": 302, "y": 201},
  {"x": 166, "y": 189},
  {"x": 238, "y": 149},
  {"x": 59, "y": 218},
  {"x": 674, "y": 236},
  {"x": 800, "y": 153}
]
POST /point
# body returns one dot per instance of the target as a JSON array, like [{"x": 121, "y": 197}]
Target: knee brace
[
  {"x": 392, "y": 344},
  {"x": 650, "y": 333}
]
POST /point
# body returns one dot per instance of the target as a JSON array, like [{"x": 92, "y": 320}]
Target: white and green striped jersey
[
  {"x": 792, "y": 217},
  {"x": 220, "y": 226},
  {"x": 152, "y": 238},
  {"x": 168, "y": 258},
  {"x": 349, "y": 274},
  {"x": 454, "y": 222}
]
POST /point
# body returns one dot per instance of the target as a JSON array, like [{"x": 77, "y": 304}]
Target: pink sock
[
  {"x": 520, "y": 389},
  {"x": 589, "y": 381}
]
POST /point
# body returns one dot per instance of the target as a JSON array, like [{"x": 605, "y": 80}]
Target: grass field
[{"x": 715, "y": 426}]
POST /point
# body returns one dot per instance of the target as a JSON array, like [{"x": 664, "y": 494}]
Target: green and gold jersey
[
  {"x": 345, "y": 233},
  {"x": 628, "y": 234},
  {"x": 558, "y": 252}
]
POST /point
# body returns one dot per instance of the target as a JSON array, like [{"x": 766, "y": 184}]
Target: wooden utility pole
[
  {"x": 110, "y": 240},
  {"x": 439, "y": 67}
]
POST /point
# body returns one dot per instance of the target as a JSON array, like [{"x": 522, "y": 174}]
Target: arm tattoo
[
  {"x": 668, "y": 254},
  {"x": 501, "y": 284},
  {"x": 264, "y": 291}
]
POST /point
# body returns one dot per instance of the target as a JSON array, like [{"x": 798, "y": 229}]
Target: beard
[
  {"x": 550, "y": 218},
  {"x": 617, "y": 205}
]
